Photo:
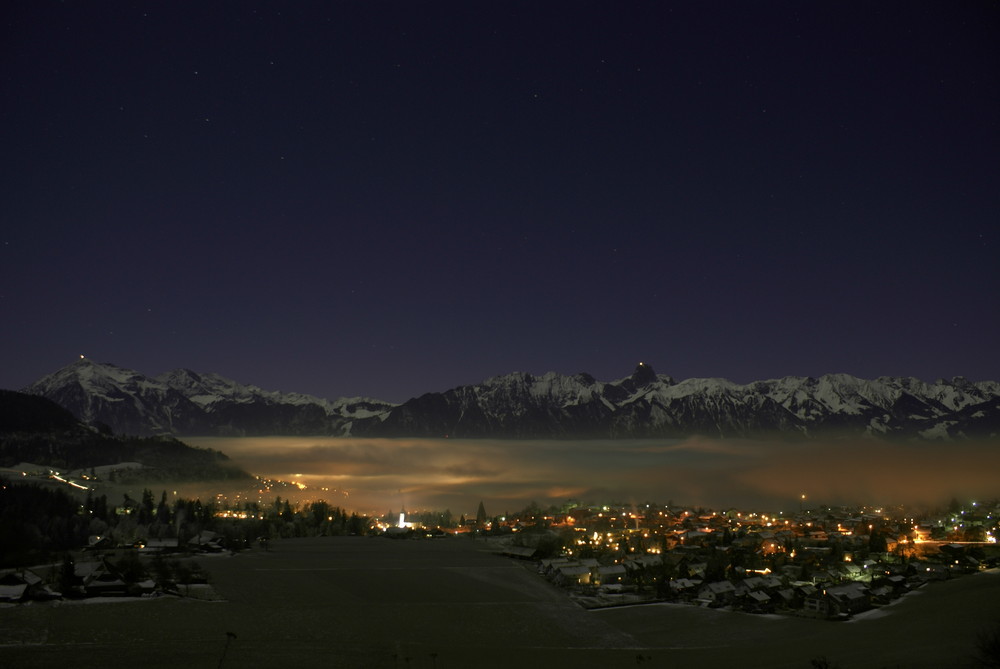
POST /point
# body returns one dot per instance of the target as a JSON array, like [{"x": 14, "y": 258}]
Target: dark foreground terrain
[{"x": 366, "y": 602}]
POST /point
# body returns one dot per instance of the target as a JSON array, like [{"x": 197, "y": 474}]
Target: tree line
[{"x": 38, "y": 524}]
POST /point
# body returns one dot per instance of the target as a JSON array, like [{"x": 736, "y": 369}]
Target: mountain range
[
  {"x": 183, "y": 402},
  {"x": 523, "y": 406}
]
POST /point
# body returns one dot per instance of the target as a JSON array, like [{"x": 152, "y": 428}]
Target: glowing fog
[{"x": 373, "y": 475}]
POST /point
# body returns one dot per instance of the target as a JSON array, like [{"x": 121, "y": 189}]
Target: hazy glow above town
[{"x": 376, "y": 474}]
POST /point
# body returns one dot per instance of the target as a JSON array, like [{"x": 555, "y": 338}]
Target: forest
[{"x": 40, "y": 524}]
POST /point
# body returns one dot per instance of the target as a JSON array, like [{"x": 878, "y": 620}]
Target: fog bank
[{"x": 374, "y": 475}]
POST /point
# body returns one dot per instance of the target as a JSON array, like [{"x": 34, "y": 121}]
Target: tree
[
  {"x": 988, "y": 648},
  {"x": 163, "y": 510},
  {"x": 146, "y": 507},
  {"x": 321, "y": 512},
  {"x": 162, "y": 572},
  {"x": 548, "y": 545},
  {"x": 877, "y": 542},
  {"x": 67, "y": 580},
  {"x": 356, "y": 526},
  {"x": 481, "y": 516},
  {"x": 715, "y": 568}
]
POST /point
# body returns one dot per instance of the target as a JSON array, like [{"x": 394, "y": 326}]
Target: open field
[{"x": 364, "y": 602}]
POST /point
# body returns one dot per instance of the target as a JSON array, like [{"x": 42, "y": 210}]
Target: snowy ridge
[
  {"x": 206, "y": 390},
  {"x": 184, "y": 402},
  {"x": 521, "y": 405},
  {"x": 646, "y": 404}
]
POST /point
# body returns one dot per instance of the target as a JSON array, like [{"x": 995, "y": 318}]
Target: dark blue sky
[{"x": 390, "y": 198}]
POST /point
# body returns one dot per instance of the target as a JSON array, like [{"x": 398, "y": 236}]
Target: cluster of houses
[
  {"x": 91, "y": 578},
  {"x": 819, "y": 563},
  {"x": 26, "y": 585},
  {"x": 829, "y": 593},
  {"x": 104, "y": 570},
  {"x": 101, "y": 577}
]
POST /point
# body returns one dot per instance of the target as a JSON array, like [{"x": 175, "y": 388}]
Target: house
[
  {"x": 684, "y": 589},
  {"x": 651, "y": 561},
  {"x": 826, "y": 576},
  {"x": 696, "y": 537},
  {"x": 611, "y": 574},
  {"x": 550, "y": 566},
  {"x": 103, "y": 581},
  {"x": 849, "y": 598},
  {"x": 785, "y": 598},
  {"x": 850, "y": 570},
  {"x": 749, "y": 584},
  {"x": 898, "y": 583},
  {"x": 97, "y": 542},
  {"x": 520, "y": 552},
  {"x": 13, "y": 587},
  {"x": 159, "y": 546},
  {"x": 644, "y": 567},
  {"x": 882, "y": 594},
  {"x": 696, "y": 569},
  {"x": 816, "y": 605},
  {"x": 207, "y": 541},
  {"x": 718, "y": 593},
  {"x": 930, "y": 571},
  {"x": 573, "y": 575},
  {"x": 757, "y": 601},
  {"x": 24, "y": 584}
]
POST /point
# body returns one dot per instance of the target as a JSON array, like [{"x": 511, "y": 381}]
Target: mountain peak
[
  {"x": 83, "y": 363},
  {"x": 643, "y": 374},
  {"x": 85, "y": 371}
]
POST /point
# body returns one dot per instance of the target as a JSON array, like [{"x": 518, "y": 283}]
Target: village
[
  {"x": 824, "y": 562},
  {"x": 815, "y": 561}
]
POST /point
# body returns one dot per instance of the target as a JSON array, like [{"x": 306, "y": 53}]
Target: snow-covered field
[{"x": 365, "y": 602}]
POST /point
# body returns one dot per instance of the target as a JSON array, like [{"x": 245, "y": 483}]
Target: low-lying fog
[{"x": 374, "y": 475}]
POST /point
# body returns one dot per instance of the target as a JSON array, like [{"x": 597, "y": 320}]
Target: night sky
[{"x": 390, "y": 198}]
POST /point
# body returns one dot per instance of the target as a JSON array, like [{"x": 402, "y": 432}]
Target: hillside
[{"x": 34, "y": 429}]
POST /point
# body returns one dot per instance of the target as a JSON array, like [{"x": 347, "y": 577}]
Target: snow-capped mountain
[
  {"x": 519, "y": 405},
  {"x": 183, "y": 402},
  {"x": 123, "y": 399},
  {"x": 646, "y": 404}
]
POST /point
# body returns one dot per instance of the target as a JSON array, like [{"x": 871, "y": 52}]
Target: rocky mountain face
[
  {"x": 183, "y": 402},
  {"x": 522, "y": 406}
]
